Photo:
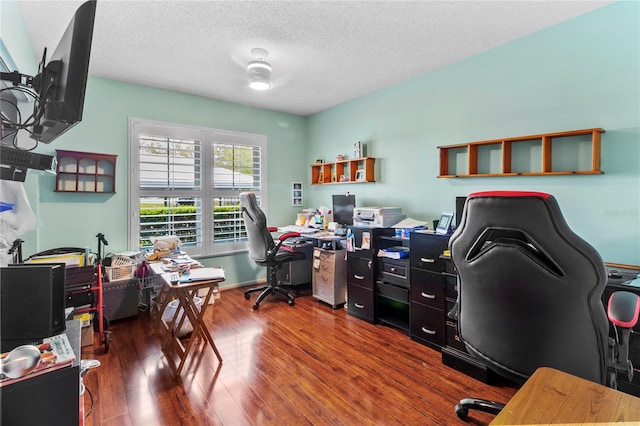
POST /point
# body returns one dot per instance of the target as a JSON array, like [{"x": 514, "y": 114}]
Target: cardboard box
[
  {"x": 86, "y": 336},
  {"x": 85, "y": 318},
  {"x": 216, "y": 294}
]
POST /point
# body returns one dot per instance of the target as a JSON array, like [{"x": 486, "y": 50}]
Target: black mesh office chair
[
  {"x": 529, "y": 294},
  {"x": 264, "y": 250}
]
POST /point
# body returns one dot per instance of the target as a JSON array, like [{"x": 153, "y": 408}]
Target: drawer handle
[
  {"x": 428, "y": 296},
  {"x": 457, "y": 338},
  {"x": 359, "y": 277},
  {"x": 426, "y": 330},
  {"x": 369, "y": 264},
  {"x": 425, "y": 260},
  {"x": 324, "y": 267},
  {"x": 393, "y": 269},
  {"x": 359, "y": 306}
]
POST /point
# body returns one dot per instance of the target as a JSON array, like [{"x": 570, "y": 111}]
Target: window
[{"x": 186, "y": 181}]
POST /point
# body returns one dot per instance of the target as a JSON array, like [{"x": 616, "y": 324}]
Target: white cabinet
[{"x": 330, "y": 276}]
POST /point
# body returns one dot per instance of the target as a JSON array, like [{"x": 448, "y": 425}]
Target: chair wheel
[
  {"x": 247, "y": 296},
  {"x": 461, "y": 412},
  {"x": 255, "y": 306},
  {"x": 291, "y": 302}
]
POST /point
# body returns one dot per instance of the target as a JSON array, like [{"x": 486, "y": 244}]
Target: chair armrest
[
  {"x": 288, "y": 235},
  {"x": 623, "y": 309}
]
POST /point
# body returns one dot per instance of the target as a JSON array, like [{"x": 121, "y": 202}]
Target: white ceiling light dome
[{"x": 259, "y": 70}]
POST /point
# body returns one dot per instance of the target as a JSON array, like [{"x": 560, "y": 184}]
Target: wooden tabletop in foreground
[{"x": 553, "y": 397}]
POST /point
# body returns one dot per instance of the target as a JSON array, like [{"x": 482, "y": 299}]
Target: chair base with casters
[
  {"x": 491, "y": 407},
  {"x": 270, "y": 288}
]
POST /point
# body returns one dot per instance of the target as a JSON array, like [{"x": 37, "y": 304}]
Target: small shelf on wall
[
  {"x": 356, "y": 170},
  {"x": 85, "y": 172},
  {"x": 525, "y": 155}
]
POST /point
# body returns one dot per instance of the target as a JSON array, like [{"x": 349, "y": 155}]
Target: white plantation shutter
[{"x": 186, "y": 181}]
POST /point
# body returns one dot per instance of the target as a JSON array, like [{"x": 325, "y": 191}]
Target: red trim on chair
[
  {"x": 542, "y": 195},
  {"x": 288, "y": 235},
  {"x": 272, "y": 229},
  {"x": 624, "y": 324}
]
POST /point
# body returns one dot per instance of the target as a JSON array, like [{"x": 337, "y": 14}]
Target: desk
[
  {"x": 49, "y": 399},
  {"x": 552, "y": 397},
  {"x": 185, "y": 293}
]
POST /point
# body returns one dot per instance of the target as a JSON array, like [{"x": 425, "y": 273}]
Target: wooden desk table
[
  {"x": 554, "y": 397},
  {"x": 187, "y": 309}
]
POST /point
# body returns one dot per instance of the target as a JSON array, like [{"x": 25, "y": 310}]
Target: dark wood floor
[{"x": 306, "y": 364}]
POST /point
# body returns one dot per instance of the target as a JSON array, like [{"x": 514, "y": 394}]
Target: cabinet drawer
[
  {"x": 401, "y": 294},
  {"x": 322, "y": 278},
  {"x": 324, "y": 290},
  {"x": 395, "y": 271},
  {"x": 426, "y": 250},
  {"x": 360, "y": 302},
  {"x": 427, "y": 323},
  {"x": 453, "y": 339},
  {"x": 360, "y": 271},
  {"x": 427, "y": 288},
  {"x": 326, "y": 267}
]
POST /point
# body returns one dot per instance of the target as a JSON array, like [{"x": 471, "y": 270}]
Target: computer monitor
[
  {"x": 459, "y": 209},
  {"x": 343, "y": 206}
]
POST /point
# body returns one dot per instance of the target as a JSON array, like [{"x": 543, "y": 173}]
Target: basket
[{"x": 121, "y": 268}]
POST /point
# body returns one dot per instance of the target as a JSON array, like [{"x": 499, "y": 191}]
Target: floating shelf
[
  {"x": 508, "y": 147},
  {"x": 356, "y": 170}
]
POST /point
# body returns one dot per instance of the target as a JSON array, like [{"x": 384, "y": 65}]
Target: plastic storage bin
[{"x": 170, "y": 311}]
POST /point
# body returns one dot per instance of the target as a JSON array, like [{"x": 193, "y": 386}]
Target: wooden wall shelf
[
  {"x": 85, "y": 172},
  {"x": 356, "y": 170},
  {"x": 543, "y": 142}
]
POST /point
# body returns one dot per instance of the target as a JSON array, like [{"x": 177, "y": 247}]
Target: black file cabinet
[
  {"x": 362, "y": 270},
  {"x": 428, "y": 288}
]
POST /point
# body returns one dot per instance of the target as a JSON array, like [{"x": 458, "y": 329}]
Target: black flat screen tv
[{"x": 61, "y": 83}]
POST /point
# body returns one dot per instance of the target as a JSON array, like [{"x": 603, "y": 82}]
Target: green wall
[
  {"x": 73, "y": 219},
  {"x": 580, "y": 74}
]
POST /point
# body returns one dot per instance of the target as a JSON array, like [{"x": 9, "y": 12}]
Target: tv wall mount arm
[{"x": 17, "y": 78}]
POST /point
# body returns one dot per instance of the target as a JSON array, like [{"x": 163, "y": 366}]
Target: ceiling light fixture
[{"x": 259, "y": 70}]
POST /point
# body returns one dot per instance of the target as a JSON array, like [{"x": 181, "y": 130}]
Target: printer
[{"x": 377, "y": 217}]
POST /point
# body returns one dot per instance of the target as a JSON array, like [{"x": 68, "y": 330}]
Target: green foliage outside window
[{"x": 157, "y": 221}]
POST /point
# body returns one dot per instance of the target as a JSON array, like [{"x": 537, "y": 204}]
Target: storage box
[
  {"x": 86, "y": 335},
  {"x": 202, "y": 293},
  {"x": 120, "y": 299},
  {"x": 84, "y": 318}
]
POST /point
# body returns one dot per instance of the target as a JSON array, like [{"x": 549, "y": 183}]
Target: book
[{"x": 55, "y": 353}]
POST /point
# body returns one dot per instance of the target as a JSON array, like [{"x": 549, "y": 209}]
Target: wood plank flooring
[{"x": 282, "y": 365}]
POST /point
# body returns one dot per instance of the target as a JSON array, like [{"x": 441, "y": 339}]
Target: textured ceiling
[{"x": 323, "y": 53}]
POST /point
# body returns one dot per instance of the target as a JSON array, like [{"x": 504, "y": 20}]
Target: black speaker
[{"x": 32, "y": 300}]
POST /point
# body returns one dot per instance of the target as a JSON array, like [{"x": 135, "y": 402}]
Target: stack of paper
[{"x": 394, "y": 252}]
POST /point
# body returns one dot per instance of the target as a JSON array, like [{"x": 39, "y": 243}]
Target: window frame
[{"x": 208, "y": 137}]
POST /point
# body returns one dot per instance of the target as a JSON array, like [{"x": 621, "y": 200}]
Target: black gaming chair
[
  {"x": 263, "y": 250},
  {"x": 529, "y": 294}
]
